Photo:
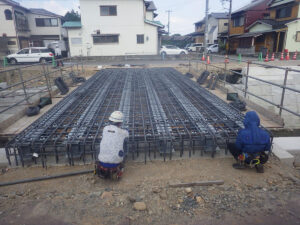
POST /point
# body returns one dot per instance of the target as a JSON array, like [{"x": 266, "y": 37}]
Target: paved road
[{"x": 169, "y": 61}]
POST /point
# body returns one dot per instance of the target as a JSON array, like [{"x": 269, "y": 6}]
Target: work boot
[
  {"x": 238, "y": 166},
  {"x": 259, "y": 168}
]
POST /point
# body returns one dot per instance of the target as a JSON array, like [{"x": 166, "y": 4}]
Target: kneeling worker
[
  {"x": 251, "y": 144},
  {"x": 111, "y": 153}
]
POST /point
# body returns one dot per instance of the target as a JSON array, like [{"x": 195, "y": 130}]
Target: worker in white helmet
[{"x": 111, "y": 153}]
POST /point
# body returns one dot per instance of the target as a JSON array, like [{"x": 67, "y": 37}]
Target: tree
[{"x": 72, "y": 16}]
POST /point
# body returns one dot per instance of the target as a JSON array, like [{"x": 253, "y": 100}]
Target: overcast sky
[{"x": 185, "y": 12}]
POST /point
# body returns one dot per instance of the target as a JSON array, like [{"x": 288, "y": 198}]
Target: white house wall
[
  {"x": 149, "y": 15},
  {"x": 291, "y": 44},
  {"x": 76, "y": 49},
  {"x": 221, "y": 25},
  {"x": 260, "y": 27},
  {"x": 212, "y": 36},
  {"x": 7, "y": 26},
  {"x": 128, "y": 23}
]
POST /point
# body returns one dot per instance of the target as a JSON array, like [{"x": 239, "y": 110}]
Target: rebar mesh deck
[{"x": 165, "y": 113}]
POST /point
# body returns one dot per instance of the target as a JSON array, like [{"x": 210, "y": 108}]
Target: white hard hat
[{"x": 116, "y": 117}]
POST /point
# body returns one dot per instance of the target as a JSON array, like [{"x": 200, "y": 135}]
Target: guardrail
[
  {"x": 244, "y": 90},
  {"x": 26, "y": 81},
  {"x": 47, "y": 73}
]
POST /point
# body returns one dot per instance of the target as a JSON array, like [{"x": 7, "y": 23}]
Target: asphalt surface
[{"x": 145, "y": 61}]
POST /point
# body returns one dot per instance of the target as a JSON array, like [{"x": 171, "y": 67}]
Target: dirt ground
[{"x": 246, "y": 197}]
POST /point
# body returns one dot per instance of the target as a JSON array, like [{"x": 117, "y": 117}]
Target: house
[
  {"x": 25, "y": 27},
  {"x": 45, "y": 27},
  {"x": 241, "y": 19},
  {"x": 198, "y": 35},
  {"x": 281, "y": 31},
  {"x": 217, "y": 26},
  {"x": 115, "y": 28},
  {"x": 14, "y": 25}
]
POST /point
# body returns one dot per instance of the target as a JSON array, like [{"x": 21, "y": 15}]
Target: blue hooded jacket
[{"x": 253, "y": 139}]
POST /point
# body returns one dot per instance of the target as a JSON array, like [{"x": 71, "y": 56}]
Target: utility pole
[
  {"x": 169, "y": 12},
  {"x": 229, "y": 22},
  {"x": 206, "y": 27}
]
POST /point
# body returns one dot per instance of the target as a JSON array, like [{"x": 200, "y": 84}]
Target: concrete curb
[{"x": 286, "y": 149}]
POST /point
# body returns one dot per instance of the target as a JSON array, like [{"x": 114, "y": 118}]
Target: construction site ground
[{"x": 246, "y": 197}]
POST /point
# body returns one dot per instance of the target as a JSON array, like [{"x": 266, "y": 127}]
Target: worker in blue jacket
[{"x": 251, "y": 144}]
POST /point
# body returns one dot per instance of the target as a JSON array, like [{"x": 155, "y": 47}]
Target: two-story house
[
  {"x": 280, "y": 31},
  {"x": 115, "y": 28},
  {"x": 198, "y": 35},
  {"x": 23, "y": 27},
  {"x": 14, "y": 24},
  {"x": 217, "y": 25},
  {"x": 241, "y": 19},
  {"x": 45, "y": 27}
]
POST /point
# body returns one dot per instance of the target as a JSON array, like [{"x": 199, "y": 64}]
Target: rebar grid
[{"x": 166, "y": 114}]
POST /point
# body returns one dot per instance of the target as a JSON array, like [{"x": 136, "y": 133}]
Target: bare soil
[{"x": 245, "y": 198}]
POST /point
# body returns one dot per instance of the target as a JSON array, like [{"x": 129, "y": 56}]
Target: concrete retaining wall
[{"x": 273, "y": 93}]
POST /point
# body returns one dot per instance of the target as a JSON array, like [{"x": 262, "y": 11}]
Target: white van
[
  {"x": 28, "y": 55},
  {"x": 195, "y": 47}
]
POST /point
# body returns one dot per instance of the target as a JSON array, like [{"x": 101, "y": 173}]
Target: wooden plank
[{"x": 200, "y": 183}]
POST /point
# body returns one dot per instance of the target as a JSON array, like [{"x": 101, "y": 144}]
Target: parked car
[
  {"x": 30, "y": 55},
  {"x": 195, "y": 47},
  {"x": 213, "y": 48},
  {"x": 172, "y": 50}
]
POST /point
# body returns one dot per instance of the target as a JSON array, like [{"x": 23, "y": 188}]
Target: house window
[
  {"x": 140, "y": 38},
  {"x": 298, "y": 36},
  {"x": 238, "y": 21},
  {"x": 284, "y": 12},
  {"x": 266, "y": 15},
  {"x": 108, "y": 10},
  {"x": 260, "y": 39},
  {"x": 45, "y": 22},
  {"x": 104, "y": 39},
  {"x": 225, "y": 24},
  {"x": 76, "y": 41},
  {"x": 11, "y": 43},
  {"x": 21, "y": 21},
  {"x": 54, "y": 22},
  {"x": 8, "y": 14}
]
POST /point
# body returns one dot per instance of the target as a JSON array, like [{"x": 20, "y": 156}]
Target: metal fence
[
  {"x": 246, "y": 76},
  {"x": 25, "y": 84}
]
